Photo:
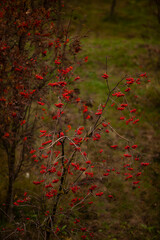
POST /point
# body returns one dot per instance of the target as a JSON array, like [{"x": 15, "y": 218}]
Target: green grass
[
  {"x": 131, "y": 18},
  {"x": 131, "y": 43}
]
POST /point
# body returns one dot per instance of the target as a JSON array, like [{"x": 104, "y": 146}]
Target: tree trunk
[
  {"x": 11, "y": 165},
  {"x": 48, "y": 233},
  {"x": 158, "y": 9},
  {"x": 46, "y": 4},
  {"x": 112, "y": 10}
]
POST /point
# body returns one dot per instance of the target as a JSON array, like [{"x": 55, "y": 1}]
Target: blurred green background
[{"x": 128, "y": 35}]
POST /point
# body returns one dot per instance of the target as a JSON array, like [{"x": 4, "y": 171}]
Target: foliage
[{"x": 77, "y": 157}]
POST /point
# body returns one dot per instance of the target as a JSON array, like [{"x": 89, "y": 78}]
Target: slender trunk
[
  {"x": 46, "y": 4},
  {"x": 52, "y": 220},
  {"x": 112, "y": 10},
  {"x": 158, "y": 9},
  {"x": 59, "y": 19},
  {"x": 11, "y": 165},
  {"x": 9, "y": 199},
  {"x": 33, "y": 4}
]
